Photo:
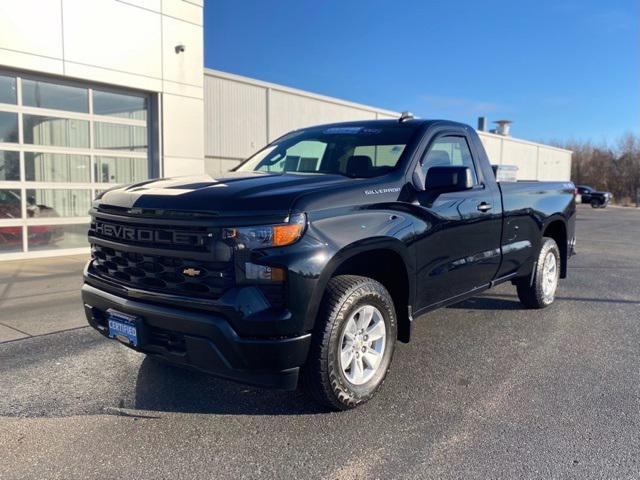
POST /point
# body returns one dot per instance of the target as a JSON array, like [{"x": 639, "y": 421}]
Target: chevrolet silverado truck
[{"x": 307, "y": 263}]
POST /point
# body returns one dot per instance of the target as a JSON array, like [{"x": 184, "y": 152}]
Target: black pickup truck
[
  {"x": 308, "y": 262},
  {"x": 593, "y": 197}
]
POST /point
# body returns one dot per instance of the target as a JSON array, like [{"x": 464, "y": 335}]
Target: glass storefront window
[
  {"x": 8, "y": 89},
  {"x": 48, "y": 202},
  {"x": 119, "y": 105},
  {"x": 121, "y": 169},
  {"x": 61, "y": 132},
  {"x": 49, "y": 237},
  {"x": 10, "y": 239},
  {"x": 8, "y": 127},
  {"x": 56, "y": 167},
  {"x": 36, "y": 93},
  {"x": 111, "y": 136},
  {"x": 61, "y": 142},
  {"x": 10, "y": 203},
  {"x": 9, "y": 166}
]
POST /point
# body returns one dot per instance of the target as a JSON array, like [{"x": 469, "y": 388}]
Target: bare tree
[{"x": 612, "y": 168}]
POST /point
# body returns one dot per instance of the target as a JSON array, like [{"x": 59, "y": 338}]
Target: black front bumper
[{"x": 204, "y": 341}]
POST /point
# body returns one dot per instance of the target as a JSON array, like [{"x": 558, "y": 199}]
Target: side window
[
  {"x": 449, "y": 151},
  {"x": 381, "y": 155}
]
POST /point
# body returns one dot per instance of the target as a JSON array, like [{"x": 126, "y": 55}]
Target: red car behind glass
[{"x": 38, "y": 234}]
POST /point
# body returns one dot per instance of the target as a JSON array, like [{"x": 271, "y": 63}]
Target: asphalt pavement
[{"x": 486, "y": 389}]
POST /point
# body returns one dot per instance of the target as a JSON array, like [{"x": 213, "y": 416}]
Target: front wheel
[
  {"x": 540, "y": 291},
  {"x": 353, "y": 343},
  {"x": 595, "y": 204}
]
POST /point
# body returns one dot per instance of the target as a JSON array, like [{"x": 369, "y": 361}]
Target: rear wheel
[
  {"x": 353, "y": 344},
  {"x": 540, "y": 291}
]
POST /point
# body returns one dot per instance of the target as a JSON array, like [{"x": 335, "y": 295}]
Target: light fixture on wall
[{"x": 180, "y": 48}]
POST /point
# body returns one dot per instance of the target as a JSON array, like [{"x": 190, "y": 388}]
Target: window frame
[{"x": 478, "y": 179}]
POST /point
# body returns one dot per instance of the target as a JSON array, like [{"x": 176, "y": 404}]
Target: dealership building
[{"x": 103, "y": 92}]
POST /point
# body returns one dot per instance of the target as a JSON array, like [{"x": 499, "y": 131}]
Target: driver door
[{"x": 459, "y": 249}]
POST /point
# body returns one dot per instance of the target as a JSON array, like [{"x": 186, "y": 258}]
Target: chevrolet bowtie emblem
[{"x": 191, "y": 272}]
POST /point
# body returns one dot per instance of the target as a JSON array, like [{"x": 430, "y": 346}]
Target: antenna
[{"x": 405, "y": 116}]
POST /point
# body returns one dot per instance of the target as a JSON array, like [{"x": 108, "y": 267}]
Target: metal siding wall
[
  {"x": 288, "y": 111},
  {"x": 534, "y": 161},
  {"x": 235, "y": 118},
  {"x": 386, "y": 116},
  {"x": 524, "y": 156},
  {"x": 236, "y": 111},
  {"x": 236, "y": 125},
  {"x": 493, "y": 147},
  {"x": 552, "y": 165},
  {"x": 217, "y": 165}
]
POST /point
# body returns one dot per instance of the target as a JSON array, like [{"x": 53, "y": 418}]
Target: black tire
[
  {"x": 595, "y": 204},
  {"x": 531, "y": 293},
  {"x": 322, "y": 376}
]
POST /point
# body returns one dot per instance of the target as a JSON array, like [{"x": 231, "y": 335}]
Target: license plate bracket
[{"x": 123, "y": 327}]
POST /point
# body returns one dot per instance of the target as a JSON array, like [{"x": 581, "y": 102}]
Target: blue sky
[{"x": 564, "y": 69}]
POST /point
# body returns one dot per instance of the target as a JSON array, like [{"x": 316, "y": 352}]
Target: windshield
[{"x": 354, "y": 151}]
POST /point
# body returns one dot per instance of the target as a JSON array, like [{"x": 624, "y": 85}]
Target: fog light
[{"x": 262, "y": 272}]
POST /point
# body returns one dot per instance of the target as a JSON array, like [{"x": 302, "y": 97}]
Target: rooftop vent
[{"x": 503, "y": 127}]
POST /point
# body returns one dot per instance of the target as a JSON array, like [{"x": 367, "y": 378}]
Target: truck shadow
[
  {"x": 488, "y": 303},
  {"x": 508, "y": 302},
  {"x": 167, "y": 388}
]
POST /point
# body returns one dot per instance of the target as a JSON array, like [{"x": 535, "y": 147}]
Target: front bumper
[{"x": 204, "y": 341}]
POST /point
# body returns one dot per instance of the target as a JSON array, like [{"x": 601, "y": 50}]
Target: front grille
[
  {"x": 181, "y": 238},
  {"x": 163, "y": 274}
]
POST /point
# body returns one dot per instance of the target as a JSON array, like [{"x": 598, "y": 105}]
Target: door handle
[{"x": 484, "y": 207}]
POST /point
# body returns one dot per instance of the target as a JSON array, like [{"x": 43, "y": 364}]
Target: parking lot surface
[{"x": 486, "y": 389}]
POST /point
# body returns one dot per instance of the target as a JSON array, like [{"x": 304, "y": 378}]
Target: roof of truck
[{"x": 415, "y": 122}]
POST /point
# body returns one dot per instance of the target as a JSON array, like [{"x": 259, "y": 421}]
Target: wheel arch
[
  {"x": 556, "y": 228},
  {"x": 385, "y": 260}
]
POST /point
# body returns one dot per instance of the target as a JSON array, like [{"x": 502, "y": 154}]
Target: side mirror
[{"x": 449, "y": 179}]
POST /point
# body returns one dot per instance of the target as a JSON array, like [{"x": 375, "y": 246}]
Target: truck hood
[{"x": 229, "y": 195}]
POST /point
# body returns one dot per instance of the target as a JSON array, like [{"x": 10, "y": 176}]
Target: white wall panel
[
  {"x": 187, "y": 11},
  {"x": 184, "y": 67},
  {"x": 235, "y": 118},
  {"x": 28, "y": 61},
  {"x": 31, "y": 26},
  {"x": 155, "y": 5},
  {"x": 90, "y": 36},
  {"x": 288, "y": 111},
  {"x": 182, "y": 126},
  {"x": 112, "y": 77}
]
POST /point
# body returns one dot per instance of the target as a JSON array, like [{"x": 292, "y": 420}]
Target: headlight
[{"x": 263, "y": 236}]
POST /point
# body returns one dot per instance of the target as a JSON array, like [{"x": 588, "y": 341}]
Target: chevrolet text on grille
[{"x": 149, "y": 235}]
